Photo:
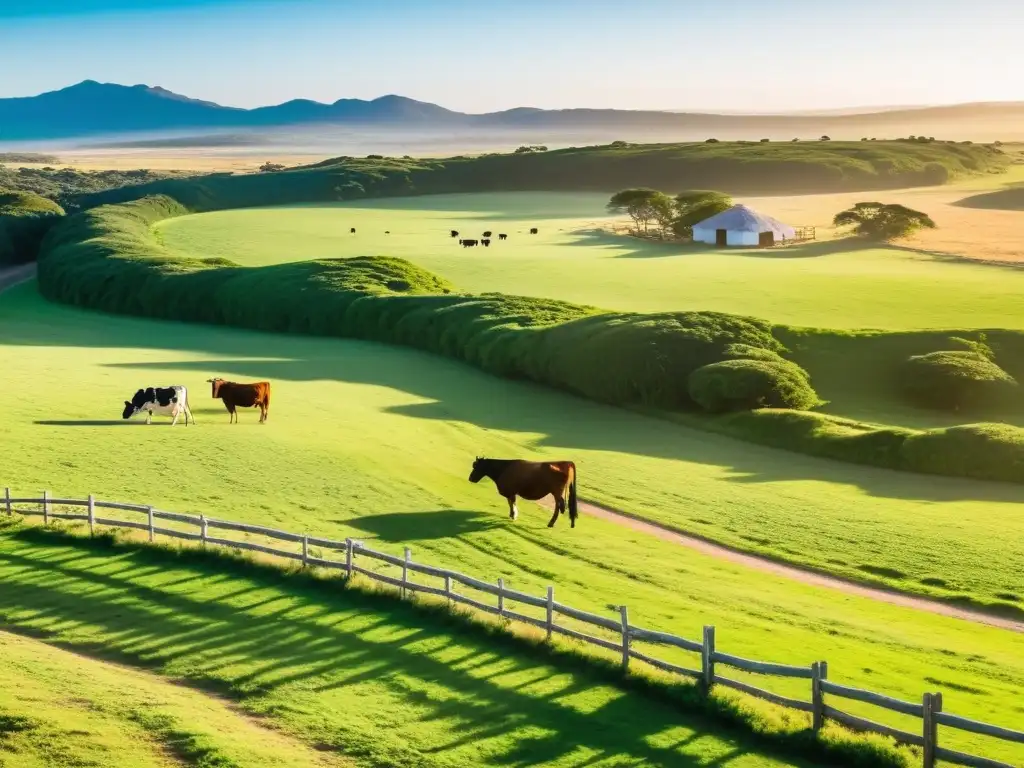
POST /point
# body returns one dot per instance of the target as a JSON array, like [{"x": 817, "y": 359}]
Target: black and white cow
[{"x": 166, "y": 401}]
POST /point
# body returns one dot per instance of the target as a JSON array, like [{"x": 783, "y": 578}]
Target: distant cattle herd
[{"x": 484, "y": 239}]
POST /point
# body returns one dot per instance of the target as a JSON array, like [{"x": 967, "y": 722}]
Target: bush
[
  {"x": 25, "y": 218},
  {"x": 745, "y": 385},
  {"x": 982, "y": 451},
  {"x": 952, "y": 380}
]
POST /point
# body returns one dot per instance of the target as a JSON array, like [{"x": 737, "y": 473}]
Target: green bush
[
  {"x": 951, "y": 380},
  {"x": 25, "y": 218},
  {"x": 746, "y": 385},
  {"x": 983, "y": 451}
]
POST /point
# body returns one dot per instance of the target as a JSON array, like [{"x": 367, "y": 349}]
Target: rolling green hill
[{"x": 747, "y": 168}]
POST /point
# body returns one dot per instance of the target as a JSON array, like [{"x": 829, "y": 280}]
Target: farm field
[
  {"x": 376, "y": 442},
  {"x": 832, "y": 283}
]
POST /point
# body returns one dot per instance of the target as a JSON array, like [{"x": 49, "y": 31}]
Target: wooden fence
[{"x": 929, "y": 710}]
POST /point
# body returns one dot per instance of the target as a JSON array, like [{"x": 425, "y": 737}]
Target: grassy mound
[
  {"x": 748, "y": 384},
  {"x": 25, "y": 218},
  {"x": 951, "y": 380},
  {"x": 734, "y": 167}
]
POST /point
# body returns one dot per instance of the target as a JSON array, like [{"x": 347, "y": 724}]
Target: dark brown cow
[
  {"x": 234, "y": 395},
  {"x": 502, "y": 236},
  {"x": 485, "y": 241},
  {"x": 352, "y": 231},
  {"x": 532, "y": 480},
  {"x": 533, "y": 231},
  {"x": 487, "y": 233}
]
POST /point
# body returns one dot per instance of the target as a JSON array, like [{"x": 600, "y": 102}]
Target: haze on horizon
[{"x": 731, "y": 55}]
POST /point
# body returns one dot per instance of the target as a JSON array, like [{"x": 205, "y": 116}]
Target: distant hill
[{"x": 91, "y": 109}]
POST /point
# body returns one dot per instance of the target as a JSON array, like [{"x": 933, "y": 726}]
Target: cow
[
  {"x": 455, "y": 233},
  {"x": 234, "y": 395},
  {"x": 502, "y": 236},
  {"x": 486, "y": 242},
  {"x": 469, "y": 243},
  {"x": 487, "y": 234},
  {"x": 170, "y": 401},
  {"x": 352, "y": 231},
  {"x": 388, "y": 232},
  {"x": 533, "y": 231}
]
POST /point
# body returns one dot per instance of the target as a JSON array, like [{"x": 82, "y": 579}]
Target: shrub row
[
  {"x": 107, "y": 259},
  {"x": 25, "y": 218}
]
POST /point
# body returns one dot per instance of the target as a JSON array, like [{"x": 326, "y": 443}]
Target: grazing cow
[
  {"x": 387, "y": 232},
  {"x": 486, "y": 242},
  {"x": 235, "y": 395},
  {"x": 532, "y": 480},
  {"x": 169, "y": 401},
  {"x": 353, "y": 230},
  {"x": 455, "y": 233},
  {"x": 487, "y": 234},
  {"x": 469, "y": 243},
  {"x": 502, "y": 236},
  {"x": 533, "y": 231}
]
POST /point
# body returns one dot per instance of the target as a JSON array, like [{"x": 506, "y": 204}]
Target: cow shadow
[
  {"x": 95, "y": 423},
  {"x": 397, "y": 527}
]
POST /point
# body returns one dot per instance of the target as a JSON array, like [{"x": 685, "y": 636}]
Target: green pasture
[
  {"x": 830, "y": 283},
  {"x": 61, "y": 709},
  {"x": 376, "y": 441},
  {"x": 365, "y": 684}
]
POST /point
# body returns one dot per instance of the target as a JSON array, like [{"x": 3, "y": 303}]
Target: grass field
[
  {"x": 377, "y": 441},
  {"x": 322, "y": 679},
  {"x": 831, "y": 283},
  {"x": 59, "y": 708}
]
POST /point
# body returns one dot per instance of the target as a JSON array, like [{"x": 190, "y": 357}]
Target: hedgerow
[
  {"x": 951, "y": 380},
  {"x": 25, "y": 218},
  {"x": 745, "y": 385}
]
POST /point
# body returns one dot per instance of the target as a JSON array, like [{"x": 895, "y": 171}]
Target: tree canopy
[
  {"x": 694, "y": 206},
  {"x": 880, "y": 221},
  {"x": 643, "y": 205}
]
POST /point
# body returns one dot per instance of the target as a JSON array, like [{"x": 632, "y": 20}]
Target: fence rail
[{"x": 929, "y": 711}]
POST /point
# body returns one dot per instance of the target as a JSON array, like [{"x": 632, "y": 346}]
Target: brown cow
[
  {"x": 236, "y": 395},
  {"x": 532, "y": 480}
]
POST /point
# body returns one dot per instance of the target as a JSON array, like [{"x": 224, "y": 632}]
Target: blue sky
[{"x": 481, "y": 55}]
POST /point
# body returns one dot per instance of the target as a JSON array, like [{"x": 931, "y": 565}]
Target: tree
[
  {"x": 694, "y": 206},
  {"x": 271, "y": 167},
  {"x": 878, "y": 221},
  {"x": 642, "y": 205},
  {"x": 525, "y": 150},
  {"x": 825, "y": 138}
]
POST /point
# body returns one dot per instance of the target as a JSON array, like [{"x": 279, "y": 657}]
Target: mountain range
[{"x": 91, "y": 109}]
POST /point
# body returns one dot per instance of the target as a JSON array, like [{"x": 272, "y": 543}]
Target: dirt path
[
  {"x": 10, "y": 276},
  {"x": 802, "y": 575}
]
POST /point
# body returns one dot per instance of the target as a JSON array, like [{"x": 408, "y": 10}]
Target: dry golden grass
[
  {"x": 983, "y": 235},
  {"x": 203, "y": 160}
]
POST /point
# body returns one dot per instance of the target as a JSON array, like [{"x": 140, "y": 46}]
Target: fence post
[
  {"x": 46, "y": 507},
  {"x": 501, "y": 598},
  {"x": 551, "y": 610},
  {"x": 348, "y": 557},
  {"x": 623, "y": 613},
  {"x": 92, "y": 513},
  {"x": 707, "y": 658},
  {"x": 405, "y": 572},
  {"x": 819, "y": 672},
  {"x": 305, "y": 550},
  {"x": 152, "y": 527},
  {"x": 932, "y": 706},
  {"x": 7, "y": 500},
  {"x": 448, "y": 589},
  {"x": 202, "y": 529}
]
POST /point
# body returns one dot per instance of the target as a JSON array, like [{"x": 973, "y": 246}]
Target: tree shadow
[
  {"x": 1007, "y": 199},
  {"x": 632, "y": 247},
  {"x": 396, "y": 527},
  {"x": 305, "y": 652}
]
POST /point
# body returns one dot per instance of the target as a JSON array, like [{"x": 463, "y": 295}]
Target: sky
[{"x": 486, "y": 55}]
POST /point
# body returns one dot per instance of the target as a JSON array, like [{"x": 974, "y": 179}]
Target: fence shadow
[{"x": 297, "y": 648}]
